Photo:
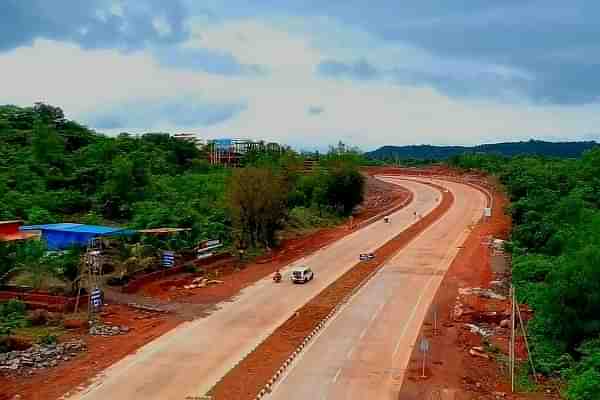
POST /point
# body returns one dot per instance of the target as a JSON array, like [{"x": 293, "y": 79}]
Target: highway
[
  {"x": 365, "y": 349},
  {"x": 189, "y": 360}
]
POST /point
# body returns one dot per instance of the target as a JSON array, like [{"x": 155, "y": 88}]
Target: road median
[{"x": 255, "y": 374}]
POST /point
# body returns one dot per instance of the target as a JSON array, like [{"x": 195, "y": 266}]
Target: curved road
[
  {"x": 189, "y": 360},
  {"x": 365, "y": 349}
]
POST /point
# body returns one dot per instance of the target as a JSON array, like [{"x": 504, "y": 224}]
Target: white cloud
[
  {"x": 367, "y": 114},
  {"x": 162, "y": 26},
  {"x": 255, "y": 42}
]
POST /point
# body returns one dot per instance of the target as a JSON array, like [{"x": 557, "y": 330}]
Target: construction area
[
  {"x": 147, "y": 308},
  {"x": 436, "y": 269}
]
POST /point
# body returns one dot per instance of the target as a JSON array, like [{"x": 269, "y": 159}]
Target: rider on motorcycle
[{"x": 277, "y": 276}]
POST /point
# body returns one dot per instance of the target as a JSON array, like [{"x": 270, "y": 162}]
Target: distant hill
[{"x": 536, "y": 147}]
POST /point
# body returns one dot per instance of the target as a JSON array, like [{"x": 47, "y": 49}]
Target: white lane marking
[
  {"x": 349, "y": 354},
  {"x": 337, "y": 374},
  {"x": 448, "y": 257},
  {"x": 375, "y": 314},
  {"x": 363, "y": 333}
]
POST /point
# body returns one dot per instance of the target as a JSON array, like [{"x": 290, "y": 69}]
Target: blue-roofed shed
[{"x": 63, "y": 236}]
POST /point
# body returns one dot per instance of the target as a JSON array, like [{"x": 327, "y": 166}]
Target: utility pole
[
  {"x": 512, "y": 339},
  {"x": 527, "y": 344}
]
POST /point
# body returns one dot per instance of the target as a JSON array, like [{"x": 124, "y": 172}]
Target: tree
[
  {"x": 124, "y": 186},
  {"x": 257, "y": 204},
  {"x": 30, "y": 258},
  {"x": 48, "y": 146},
  {"x": 345, "y": 189}
]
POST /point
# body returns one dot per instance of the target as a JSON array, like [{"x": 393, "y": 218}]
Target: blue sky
[{"x": 309, "y": 73}]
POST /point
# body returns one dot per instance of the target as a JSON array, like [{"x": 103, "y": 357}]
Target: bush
[
  {"x": 584, "y": 386},
  {"x": 302, "y": 217},
  {"x": 48, "y": 339},
  {"x": 12, "y": 316}
]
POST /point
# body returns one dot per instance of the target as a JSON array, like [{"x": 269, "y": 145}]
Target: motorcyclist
[{"x": 277, "y": 276}]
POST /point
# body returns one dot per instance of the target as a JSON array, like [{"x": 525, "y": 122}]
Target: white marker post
[{"x": 424, "y": 348}]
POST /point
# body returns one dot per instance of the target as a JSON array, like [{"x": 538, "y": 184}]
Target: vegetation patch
[{"x": 555, "y": 207}]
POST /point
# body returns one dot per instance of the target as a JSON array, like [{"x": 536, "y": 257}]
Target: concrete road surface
[
  {"x": 363, "y": 352},
  {"x": 189, "y": 360}
]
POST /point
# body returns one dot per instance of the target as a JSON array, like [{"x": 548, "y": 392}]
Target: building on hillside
[
  {"x": 66, "y": 235},
  {"x": 191, "y": 138},
  {"x": 230, "y": 152},
  {"x": 310, "y": 166},
  {"x": 9, "y": 231}
]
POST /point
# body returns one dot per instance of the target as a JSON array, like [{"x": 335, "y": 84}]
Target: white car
[{"x": 302, "y": 274}]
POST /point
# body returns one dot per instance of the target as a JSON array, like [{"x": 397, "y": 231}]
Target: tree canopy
[{"x": 555, "y": 242}]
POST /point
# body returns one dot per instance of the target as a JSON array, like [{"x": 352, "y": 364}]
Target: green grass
[{"x": 38, "y": 333}]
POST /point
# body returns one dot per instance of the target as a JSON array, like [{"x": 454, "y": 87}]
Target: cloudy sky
[{"x": 309, "y": 73}]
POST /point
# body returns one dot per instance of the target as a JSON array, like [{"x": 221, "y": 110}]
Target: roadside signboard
[
  {"x": 168, "y": 259},
  {"x": 204, "y": 249},
  {"x": 424, "y": 345},
  {"x": 96, "y": 298},
  {"x": 424, "y": 348}
]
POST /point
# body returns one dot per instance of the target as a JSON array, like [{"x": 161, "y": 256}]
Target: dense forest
[
  {"x": 532, "y": 147},
  {"x": 555, "y": 243},
  {"x": 55, "y": 170}
]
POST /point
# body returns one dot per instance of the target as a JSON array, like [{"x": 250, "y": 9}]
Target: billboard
[{"x": 222, "y": 143}]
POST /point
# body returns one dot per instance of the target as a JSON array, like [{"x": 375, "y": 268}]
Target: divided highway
[
  {"x": 365, "y": 349},
  {"x": 189, "y": 360}
]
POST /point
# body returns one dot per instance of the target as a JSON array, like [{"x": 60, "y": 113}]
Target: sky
[{"x": 310, "y": 73}]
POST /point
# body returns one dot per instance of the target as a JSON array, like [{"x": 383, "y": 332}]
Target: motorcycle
[{"x": 277, "y": 277}]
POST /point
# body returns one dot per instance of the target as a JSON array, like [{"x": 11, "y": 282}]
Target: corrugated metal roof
[
  {"x": 80, "y": 228},
  {"x": 16, "y": 236},
  {"x": 15, "y": 221}
]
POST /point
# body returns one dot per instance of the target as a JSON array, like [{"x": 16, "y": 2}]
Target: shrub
[
  {"x": 584, "y": 386},
  {"x": 12, "y": 316},
  {"x": 48, "y": 339}
]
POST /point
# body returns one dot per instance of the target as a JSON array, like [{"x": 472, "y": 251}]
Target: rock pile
[
  {"x": 202, "y": 282},
  {"x": 40, "y": 356},
  {"x": 481, "y": 292},
  {"x": 108, "y": 330}
]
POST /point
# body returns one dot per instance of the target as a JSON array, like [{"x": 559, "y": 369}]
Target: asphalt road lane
[
  {"x": 363, "y": 352},
  {"x": 189, "y": 360}
]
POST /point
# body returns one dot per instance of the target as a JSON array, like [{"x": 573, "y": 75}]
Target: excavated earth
[{"x": 144, "y": 326}]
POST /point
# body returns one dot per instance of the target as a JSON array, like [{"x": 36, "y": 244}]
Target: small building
[
  {"x": 9, "y": 231},
  {"x": 63, "y": 236}
]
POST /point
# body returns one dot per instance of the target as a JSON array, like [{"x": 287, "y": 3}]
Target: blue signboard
[
  {"x": 222, "y": 143},
  {"x": 168, "y": 259},
  {"x": 96, "y": 298}
]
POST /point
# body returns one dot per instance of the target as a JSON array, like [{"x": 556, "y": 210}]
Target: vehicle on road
[
  {"x": 277, "y": 277},
  {"x": 366, "y": 256},
  {"x": 302, "y": 274}
]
